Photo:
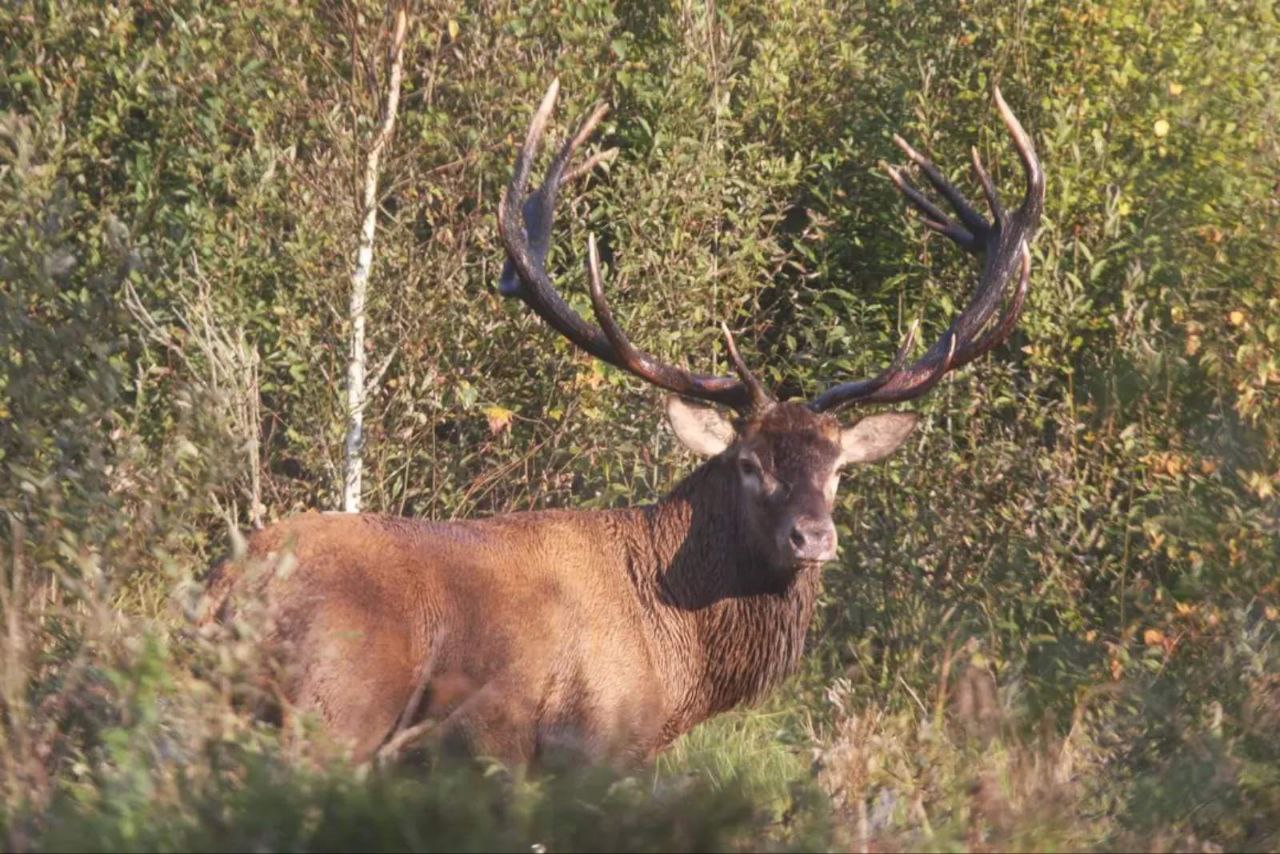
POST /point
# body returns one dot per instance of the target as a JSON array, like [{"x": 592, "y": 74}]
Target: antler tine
[
  {"x": 1033, "y": 199},
  {"x": 589, "y": 165},
  {"x": 525, "y": 231},
  {"x": 759, "y": 397},
  {"x": 537, "y": 126},
  {"x": 1003, "y": 242},
  {"x": 931, "y": 214},
  {"x": 988, "y": 187},
  {"x": 972, "y": 220},
  {"x": 556, "y": 176},
  {"x": 641, "y": 364},
  {"x": 538, "y": 211},
  {"x": 631, "y": 359}
]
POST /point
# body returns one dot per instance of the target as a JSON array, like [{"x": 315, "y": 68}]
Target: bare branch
[{"x": 357, "y": 389}]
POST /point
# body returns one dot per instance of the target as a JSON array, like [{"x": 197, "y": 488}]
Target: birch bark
[{"x": 353, "y": 474}]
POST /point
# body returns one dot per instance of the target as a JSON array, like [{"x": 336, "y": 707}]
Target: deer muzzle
[{"x": 812, "y": 538}]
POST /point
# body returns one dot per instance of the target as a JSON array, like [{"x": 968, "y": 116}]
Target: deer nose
[{"x": 813, "y": 539}]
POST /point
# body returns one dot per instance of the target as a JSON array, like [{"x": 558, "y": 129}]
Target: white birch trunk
[{"x": 353, "y": 476}]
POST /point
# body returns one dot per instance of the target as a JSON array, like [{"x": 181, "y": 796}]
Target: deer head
[
  {"x": 783, "y": 458},
  {"x": 784, "y": 466}
]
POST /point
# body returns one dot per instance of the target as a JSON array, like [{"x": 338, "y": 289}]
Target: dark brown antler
[
  {"x": 526, "y": 234},
  {"x": 1003, "y": 242}
]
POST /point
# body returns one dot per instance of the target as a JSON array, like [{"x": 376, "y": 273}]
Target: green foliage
[
  {"x": 279, "y": 808},
  {"x": 1054, "y": 621}
]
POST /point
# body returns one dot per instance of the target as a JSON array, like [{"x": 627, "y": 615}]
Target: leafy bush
[{"x": 1054, "y": 620}]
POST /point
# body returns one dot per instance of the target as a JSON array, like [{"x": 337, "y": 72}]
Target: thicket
[{"x": 1054, "y": 620}]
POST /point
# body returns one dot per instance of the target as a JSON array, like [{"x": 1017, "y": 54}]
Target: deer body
[{"x": 610, "y": 633}]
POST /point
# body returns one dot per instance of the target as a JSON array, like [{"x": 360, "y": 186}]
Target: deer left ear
[
  {"x": 875, "y": 437},
  {"x": 699, "y": 427}
]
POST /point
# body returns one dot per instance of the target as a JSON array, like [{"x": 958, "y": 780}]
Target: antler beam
[
  {"x": 1003, "y": 242},
  {"x": 526, "y": 234}
]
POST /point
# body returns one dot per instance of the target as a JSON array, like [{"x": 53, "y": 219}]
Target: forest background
[{"x": 1054, "y": 620}]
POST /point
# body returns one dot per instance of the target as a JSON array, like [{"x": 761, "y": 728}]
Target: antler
[
  {"x": 1003, "y": 242},
  {"x": 526, "y": 235}
]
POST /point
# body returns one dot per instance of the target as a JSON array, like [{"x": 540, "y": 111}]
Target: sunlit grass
[{"x": 763, "y": 752}]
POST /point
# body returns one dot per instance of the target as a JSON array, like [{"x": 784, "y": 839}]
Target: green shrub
[{"x": 1054, "y": 621}]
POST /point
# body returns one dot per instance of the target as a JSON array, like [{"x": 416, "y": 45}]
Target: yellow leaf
[
  {"x": 499, "y": 418},
  {"x": 1260, "y": 484},
  {"x": 1236, "y": 317},
  {"x": 1161, "y": 128},
  {"x": 453, "y": 30},
  {"x": 1211, "y": 233},
  {"x": 1175, "y": 89},
  {"x": 1153, "y": 637}
]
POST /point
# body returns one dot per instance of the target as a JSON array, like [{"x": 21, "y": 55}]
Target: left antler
[{"x": 1004, "y": 243}]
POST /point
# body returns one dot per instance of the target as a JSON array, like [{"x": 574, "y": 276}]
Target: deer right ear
[
  {"x": 699, "y": 427},
  {"x": 875, "y": 437}
]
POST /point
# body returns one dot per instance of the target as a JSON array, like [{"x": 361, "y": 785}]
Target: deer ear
[
  {"x": 699, "y": 427},
  {"x": 875, "y": 437}
]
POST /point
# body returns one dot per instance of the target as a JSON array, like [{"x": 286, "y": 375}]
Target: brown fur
[{"x": 610, "y": 632}]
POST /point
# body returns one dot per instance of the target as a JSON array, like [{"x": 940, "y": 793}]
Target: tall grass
[{"x": 1054, "y": 621}]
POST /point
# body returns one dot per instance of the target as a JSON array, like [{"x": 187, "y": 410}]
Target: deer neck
[{"x": 726, "y": 628}]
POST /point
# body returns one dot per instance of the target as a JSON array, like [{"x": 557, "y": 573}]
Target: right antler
[
  {"x": 1004, "y": 242},
  {"x": 526, "y": 234}
]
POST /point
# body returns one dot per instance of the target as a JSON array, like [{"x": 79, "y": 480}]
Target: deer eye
[{"x": 748, "y": 467}]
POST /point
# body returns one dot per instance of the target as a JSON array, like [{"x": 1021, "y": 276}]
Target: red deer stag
[{"x": 612, "y": 632}]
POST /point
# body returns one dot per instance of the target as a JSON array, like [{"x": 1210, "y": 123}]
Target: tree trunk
[{"x": 353, "y": 476}]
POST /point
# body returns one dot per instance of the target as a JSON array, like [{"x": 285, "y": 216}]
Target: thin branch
[
  {"x": 353, "y": 476},
  {"x": 403, "y": 735}
]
